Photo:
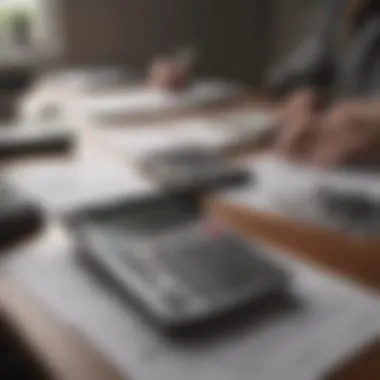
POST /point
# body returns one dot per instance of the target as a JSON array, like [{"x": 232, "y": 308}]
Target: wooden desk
[{"x": 69, "y": 357}]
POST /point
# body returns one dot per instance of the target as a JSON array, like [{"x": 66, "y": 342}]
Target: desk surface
[{"x": 69, "y": 357}]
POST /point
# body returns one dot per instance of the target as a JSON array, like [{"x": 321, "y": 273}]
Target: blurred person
[
  {"x": 172, "y": 72},
  {"x": 332, "y": 115}
]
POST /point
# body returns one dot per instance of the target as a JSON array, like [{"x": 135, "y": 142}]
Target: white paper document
[
  {"x": 295, "y": 191},
  {"x": 326, "y": 322},
  {"x": 64, "y": 186},
  {"x": 136, "y": 143},
  {"x": 246, "y": 122},
  {"x": 215, "y": 133},
  {"x": 88, "y": 78},
  {"x": 144, "y": 100}
]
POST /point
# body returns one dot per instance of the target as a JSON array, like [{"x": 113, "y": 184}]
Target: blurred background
[{"x": 237, "y": 40}]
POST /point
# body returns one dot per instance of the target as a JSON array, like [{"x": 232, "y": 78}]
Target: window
[
  {"x": 28, "y": 30},
  {"x": 18, "y": 22}
]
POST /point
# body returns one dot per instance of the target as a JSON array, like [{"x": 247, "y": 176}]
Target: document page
[{"x": 322, "y": 323}]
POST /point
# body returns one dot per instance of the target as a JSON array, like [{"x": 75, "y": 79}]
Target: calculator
[
  {"x": 181, "y": 267},
  {"x": 192, "y": 167}
]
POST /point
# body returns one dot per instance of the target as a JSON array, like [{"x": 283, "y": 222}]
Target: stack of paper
[
  {"x": 214, "y": 133},
  {"x": 139, "y": 101},
  {"x": 88, "y": 78},
  {"x": 245, "y": 125},
  {"x": 295, "y": 191},
  {"x": 248, "y": 120},
  {"x": 64, "y": 186},
  {"x": 136, "y": 143}
]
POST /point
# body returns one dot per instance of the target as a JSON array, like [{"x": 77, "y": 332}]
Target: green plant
[{"x": 19, "y": 20}]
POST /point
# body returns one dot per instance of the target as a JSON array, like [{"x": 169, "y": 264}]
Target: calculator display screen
[{"x": 153, "y": 215}]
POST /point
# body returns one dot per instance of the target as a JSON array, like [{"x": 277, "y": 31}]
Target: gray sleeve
[
  {"x": 313, "y": 64},
  {"x": 359, "y": 72},
  {"x": 308, "y": 66},
  {"x": 373, "y": 89}
]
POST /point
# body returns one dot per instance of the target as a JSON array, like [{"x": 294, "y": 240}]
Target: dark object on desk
[
  {"x": 14, "y": 81},
  {"x": 16, "y": 360},
  {"x": 17, "y": 141},
  {"x": 19, "y": 218},
  {"x": 192, "y": 168},
  {"x": 182, "y": 268},
  {"x": 353, "y": 210}
]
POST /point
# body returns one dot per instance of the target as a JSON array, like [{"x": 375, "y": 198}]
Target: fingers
[
  {"x": 348, "y": 133},
  {"x": 334, "y": 153},
  {"x": 300, "y": 104},
  {"x": 295, "y": 139},
  {"x": 298, "y": 121},
  {"x": 344, "y": 138}
]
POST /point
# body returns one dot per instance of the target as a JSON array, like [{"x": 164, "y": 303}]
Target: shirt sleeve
[{"x": 313, "y": 64}]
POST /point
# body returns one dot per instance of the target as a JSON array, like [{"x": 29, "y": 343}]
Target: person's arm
[
  {"x": 313, "y": 64},
  {"x": 349, "y": 134},
  {"x": 308, "y": 67},
  {"x": 346, "y": 133}
]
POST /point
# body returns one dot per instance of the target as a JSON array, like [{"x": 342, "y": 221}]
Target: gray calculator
[
  {"x": 181, "y": 266},
  {"x": 194, "y": 168}
]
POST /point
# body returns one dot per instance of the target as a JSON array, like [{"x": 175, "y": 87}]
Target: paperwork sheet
[
  {"x": 62, "y": 186},
  {"x": 139, "y": 101},
  {"x": 88, "y": 78},
  {"x": 325, "y": 322},
  {"x": 136, "y": 143},
  {"x": 215, "y": 133},
  {"x": 246, "y": 122},
  {"x": 296, "y": 191}
]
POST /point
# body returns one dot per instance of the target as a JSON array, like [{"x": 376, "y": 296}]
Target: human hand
[
  {"x": 299, "y": 119},
  {"x": 169, "y": 73},
  {"x": 300, "y": 103},
  {"x": 349, "y": 133}
]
